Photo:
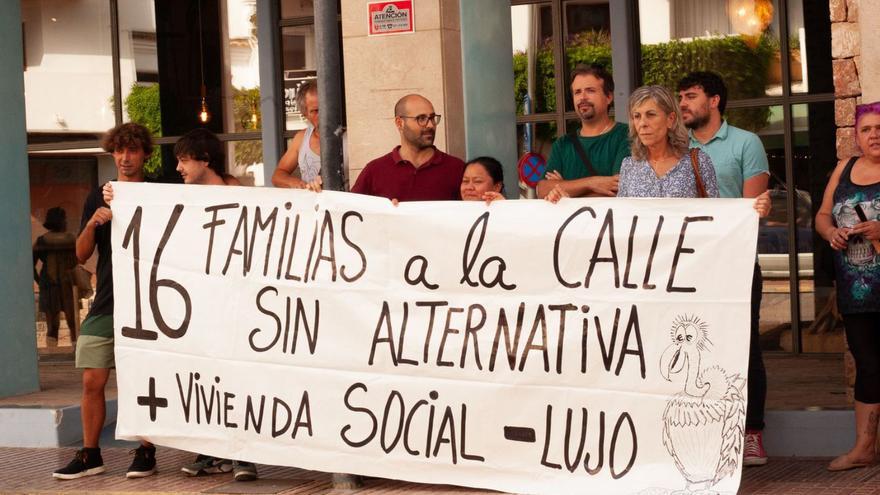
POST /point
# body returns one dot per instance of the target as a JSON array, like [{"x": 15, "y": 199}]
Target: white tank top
[{"x": 309, "y": 161}]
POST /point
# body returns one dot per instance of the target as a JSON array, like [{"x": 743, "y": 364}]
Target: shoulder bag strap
[
  {"x": 579, "y": 149},
  {"x": 701, "y": 189}
]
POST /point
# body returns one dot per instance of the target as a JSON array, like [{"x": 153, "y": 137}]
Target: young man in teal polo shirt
[
  {"x": 604, "y": 143},
  {"x": 743, "y": 172}
]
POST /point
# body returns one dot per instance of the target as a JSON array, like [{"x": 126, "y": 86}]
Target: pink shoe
[{"x": 753, "y": 452}]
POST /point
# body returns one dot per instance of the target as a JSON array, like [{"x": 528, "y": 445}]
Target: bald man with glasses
[{"x": 415, "y": 170}]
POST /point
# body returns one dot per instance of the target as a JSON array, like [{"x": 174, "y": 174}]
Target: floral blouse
[{"x": 638, "y": 179}]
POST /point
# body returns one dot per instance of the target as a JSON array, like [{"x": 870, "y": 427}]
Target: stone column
[
  {"x": 868, "y": 62},
  {"x": 380, "y": 69},
  {"x": 18, "y": 354},
  {"x": 846, "y": 48},
  {"x": 487, "y": 81}
]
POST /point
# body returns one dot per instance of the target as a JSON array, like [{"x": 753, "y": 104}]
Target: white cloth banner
[{"x": 593, "y": 346}]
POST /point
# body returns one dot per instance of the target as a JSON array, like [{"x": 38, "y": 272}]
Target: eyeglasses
[{"x": 423, "y": 119}]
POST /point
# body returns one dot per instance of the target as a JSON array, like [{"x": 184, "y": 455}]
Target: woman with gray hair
[{"x": 660, "y": 165}]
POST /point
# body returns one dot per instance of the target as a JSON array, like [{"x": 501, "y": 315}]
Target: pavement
[
  {"x": 29, "y": 471},
  {"x": 800, "y": 383}
]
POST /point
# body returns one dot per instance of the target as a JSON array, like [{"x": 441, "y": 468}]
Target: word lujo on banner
[{"x": 603, "y": 348}]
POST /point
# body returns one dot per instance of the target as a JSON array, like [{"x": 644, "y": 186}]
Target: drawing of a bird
[{"x": 703, "y": 424}]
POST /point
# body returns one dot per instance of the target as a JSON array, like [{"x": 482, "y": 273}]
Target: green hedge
[
  {"x": 742, "y": 62},
  {"x": 245, "y": 104},
  {"x": 142, "y": 106}
]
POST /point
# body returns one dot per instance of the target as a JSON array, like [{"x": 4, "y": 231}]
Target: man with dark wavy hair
[
  {"x": 201, "y": 159},
  {"x": 131, "y": 145}
]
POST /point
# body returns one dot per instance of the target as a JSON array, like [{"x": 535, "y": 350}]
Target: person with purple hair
[{"x": 849, "y": 219}]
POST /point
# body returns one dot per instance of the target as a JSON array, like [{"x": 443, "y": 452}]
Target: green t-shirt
[{"x": 605, "y": 151}]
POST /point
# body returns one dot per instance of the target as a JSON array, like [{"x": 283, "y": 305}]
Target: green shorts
[{"x": 94, "y": 347}]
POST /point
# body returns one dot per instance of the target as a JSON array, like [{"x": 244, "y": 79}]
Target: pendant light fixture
[{"x": 204, "y": 115}]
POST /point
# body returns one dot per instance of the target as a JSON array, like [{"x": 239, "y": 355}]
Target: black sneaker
[
  {"x": 144, "y": 463},
  {"x": 243, "y": 471},
  {"x": 206, "y": 464},
  {"x": 87, "y": 462}
]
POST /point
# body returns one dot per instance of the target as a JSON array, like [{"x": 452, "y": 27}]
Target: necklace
[{"x": 603, "y": 131}]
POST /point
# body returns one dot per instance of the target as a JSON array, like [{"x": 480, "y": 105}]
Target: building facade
[{"x": 496, "y": 70}]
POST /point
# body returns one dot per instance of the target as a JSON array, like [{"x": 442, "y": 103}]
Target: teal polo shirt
[{"x": 737, "y": 155}]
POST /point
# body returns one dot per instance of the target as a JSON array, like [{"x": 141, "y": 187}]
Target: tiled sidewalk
[{"x": 28, "y": 471}]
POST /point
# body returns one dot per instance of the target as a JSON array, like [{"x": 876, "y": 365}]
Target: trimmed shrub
[
  {"x": 741, "y": 60},
  {"x": 142, "y": 107}
]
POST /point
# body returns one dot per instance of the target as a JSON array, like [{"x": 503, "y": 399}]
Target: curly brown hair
[{"x": 128, "y": 135}]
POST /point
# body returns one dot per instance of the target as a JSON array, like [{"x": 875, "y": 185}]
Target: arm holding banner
[{"x": 93, "y": 217}]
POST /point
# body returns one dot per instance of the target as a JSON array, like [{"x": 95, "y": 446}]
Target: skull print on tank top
[{"x": 857, "y": 268}]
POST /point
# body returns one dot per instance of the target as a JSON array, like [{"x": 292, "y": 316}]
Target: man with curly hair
[{"x": 131, "y": 145}]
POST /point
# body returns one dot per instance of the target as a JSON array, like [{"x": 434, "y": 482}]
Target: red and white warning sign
[{"x": 391, "y": 17}]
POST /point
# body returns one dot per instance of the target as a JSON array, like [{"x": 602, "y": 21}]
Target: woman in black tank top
[{"x": 849, "y": 219}]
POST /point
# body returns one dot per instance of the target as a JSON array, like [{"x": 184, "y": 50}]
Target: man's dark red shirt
[{"x": 392, "y": 177}]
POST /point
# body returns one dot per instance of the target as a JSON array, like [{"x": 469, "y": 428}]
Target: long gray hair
[{"x": 677, "y": 136}]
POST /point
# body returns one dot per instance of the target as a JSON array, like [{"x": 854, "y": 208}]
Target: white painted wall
[{"x": 69, "y": 77}]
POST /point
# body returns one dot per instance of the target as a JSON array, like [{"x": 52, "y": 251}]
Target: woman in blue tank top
[{"x": 849, "y": 220}]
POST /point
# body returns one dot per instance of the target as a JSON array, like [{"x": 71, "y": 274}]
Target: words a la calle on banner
[{"x": 593, "y": 345}]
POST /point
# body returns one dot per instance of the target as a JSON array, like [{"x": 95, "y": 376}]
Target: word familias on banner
[{"x": 321, "y": 243}]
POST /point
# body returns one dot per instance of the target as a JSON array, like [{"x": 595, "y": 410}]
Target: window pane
[
  {"x": 68, "y": 74},
  {"x": 587, "y": 37},
  {"x": 775, "y": 320},
  {"x": 535, "y": 138},
  {"x": 738, "y": 39},
  {"x": 297, "y": 8},
  {"x": 59, "y": 180},
  {"x": 139, "y": 70},
  {"x": 809, "y": 44},
  {"x": 534, "y": 74},
  {"x": 298, "y": 59},
  {"x": 245, "y": 161},
  {"x": 814, "y": 159},
  {"x": 242, "y": 78}
]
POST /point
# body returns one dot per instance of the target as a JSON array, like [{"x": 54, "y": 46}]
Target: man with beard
[
  {"x": 742, "y": 171},
  {"x": 130, "y": 145},
  {"x": 415, "y": 170},
  {"x": 587, "y": 163}
]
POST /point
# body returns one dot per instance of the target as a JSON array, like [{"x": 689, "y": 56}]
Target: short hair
[
  {"x": 203, "y": 145},
  {"x": 865, "y": 109},
  {"x": 712, "y": 84},
  {"x": 677, "y": 136},
  {"x": 126, "y": 136},
  {"x": 310, "y": 86},
  {"x": 597, "y": 71},
  {"x": 493, "y": 168},
  {"x": 56, "y": 219}
]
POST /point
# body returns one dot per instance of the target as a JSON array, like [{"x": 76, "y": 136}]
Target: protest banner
[{"x": 595, "y": 345}]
